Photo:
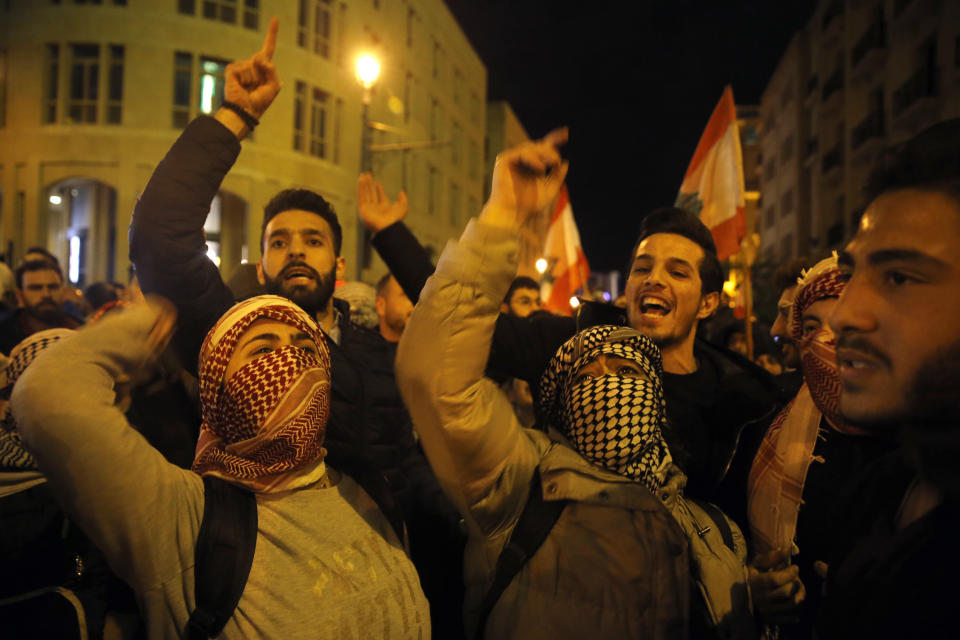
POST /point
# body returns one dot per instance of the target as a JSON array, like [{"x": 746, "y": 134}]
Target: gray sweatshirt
[{"x": 327, "y": 562}]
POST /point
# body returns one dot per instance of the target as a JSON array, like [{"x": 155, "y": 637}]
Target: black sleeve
[
  {"x": 406, "y": 258},
  {"x": 167, "y": 244},
  {"x": 522, "y": 347}
]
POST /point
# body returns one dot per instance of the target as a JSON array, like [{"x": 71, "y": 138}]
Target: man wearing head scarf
[
  {"x": 327, "y": 561},
  {"x": 806, "y": 458},
  {"x": 617, "y": 562}
]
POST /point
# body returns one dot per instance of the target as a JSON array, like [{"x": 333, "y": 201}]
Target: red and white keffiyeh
[
  {"x": 263, "y": 429},
  {"x": 775, "y": 486}
]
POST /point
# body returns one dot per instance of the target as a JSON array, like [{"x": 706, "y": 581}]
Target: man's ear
[
  {"x": 708, "y": 304},
  {"x": 341, "y": 267},
  {"x": 380, "y": 303},
  {"x": 504, "y": 307},
  {"x": 260, "y": 277}
]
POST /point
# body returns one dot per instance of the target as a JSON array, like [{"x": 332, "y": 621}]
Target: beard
[
  {"x": 46, "y": 311},
  {"x": 931, "y": 434},
  {"x": 311, "y": 300}
]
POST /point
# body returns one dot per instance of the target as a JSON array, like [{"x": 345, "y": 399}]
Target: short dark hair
[
  {"x": 930, "y": 161},
  {"x": 36, "y": 265},
  {"x": 520, "y": 282},
  {"x": 683, "y": 223},
  {"x": 45, "y": 253},
  {"x": 304, "y": 200},
  {"x": 787, "y": 274},
  {"x": 382, "y": 284},
  {"x": 100, "y": 293}
]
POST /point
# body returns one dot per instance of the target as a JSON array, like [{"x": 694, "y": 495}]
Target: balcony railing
[
  {"x": 869, "y": 127},
  {"x": 874, "y": 38},
  {"x": 833, "y": 84},
  {"x": 832, "y": 158},
  {"x": 924, "y": 83}
]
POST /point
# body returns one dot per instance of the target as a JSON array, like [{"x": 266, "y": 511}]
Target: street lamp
[
  {"x": 541, "y": 265},
  {"x": 368, "y": 69}
]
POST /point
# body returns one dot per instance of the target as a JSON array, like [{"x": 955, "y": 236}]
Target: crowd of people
[{"x": 437, "y": 456}]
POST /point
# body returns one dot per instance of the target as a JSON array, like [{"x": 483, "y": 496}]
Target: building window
[
  {"x": 251, "y": 14},
  {"x": 454, "y": 204},
  {"x": 407, "y": 96},
  {"x": 456, "y": 144},
  {"x": 182, "y": 81},
  {"x": 303, "y": 11},
  {"x": 769, "y": 218},
  {"x": 318, "y": 123},
  {"x": 3, "y": 88},
  {"x": 84, "y": 83},
  {"x": 212, "y": 72},
  {"x": 786, "y": 247},
  {"x": 770, "y": 172},
  {"x": 435, "y": 121},
  {"x": 786, "y": 150},
  {"x": 187, "y": 6},
  {"x": 437, "y": 55},
  {"x": 457, "y": 86},
  {"x": 337, "y": 116},
  {"x": 53, "y": 83},
  {"x": 115, "y": 85},
  {"x": 321, "y": 28},
  {"x": 786, "y": 204},
  {"x": 223, "y": 10},
  {"x": 299, "y": 107}
]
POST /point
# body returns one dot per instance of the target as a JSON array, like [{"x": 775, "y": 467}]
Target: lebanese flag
[
  {"x": 713, "y": 185},
  {"x": 562, "y": 249}
]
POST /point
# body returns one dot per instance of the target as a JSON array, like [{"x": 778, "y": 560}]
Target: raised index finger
[{"x": 270, "y": 42}]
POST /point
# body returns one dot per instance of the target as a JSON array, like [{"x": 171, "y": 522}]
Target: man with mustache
[
  {"x": 301, "y": 240},
  {"x": 40, "y": 294},
  {"x": 898, "y": 353}
]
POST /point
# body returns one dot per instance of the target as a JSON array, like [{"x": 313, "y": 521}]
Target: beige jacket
[{"x": 616, "y": 564}]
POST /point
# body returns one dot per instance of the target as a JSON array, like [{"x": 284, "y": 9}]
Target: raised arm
[
  {"x": 167, "y": 244},
  {"x": 481, "y": 455}
]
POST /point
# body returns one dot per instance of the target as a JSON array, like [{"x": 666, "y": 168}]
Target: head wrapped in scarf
[
  {"x": 818, "y": 349},
  {"x": 13, "y": 456},
  {"x": 263, "y": 429},
  {"x": 613, "y": 421}
]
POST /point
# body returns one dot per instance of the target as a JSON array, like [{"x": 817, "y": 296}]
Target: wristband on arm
[{"x": 248, "y": 119}]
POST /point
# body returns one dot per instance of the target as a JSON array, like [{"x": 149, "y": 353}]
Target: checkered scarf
[
  {"x": 13, "y": 455},
  {"x": 615, "y": 422},
  {"x": 263, "y": 429},
  {"x": 775, "y": 485}
]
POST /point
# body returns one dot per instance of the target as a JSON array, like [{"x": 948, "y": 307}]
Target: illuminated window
[
  {"x": 84, "y": 83},
  {"x": 182, "y": 80},
  {"x": 211, "y": 84}
]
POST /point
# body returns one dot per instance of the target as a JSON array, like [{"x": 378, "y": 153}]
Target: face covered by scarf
[
  {"x": 263, "y": 429},
  {"x": 13, "y": 456},
  {"x": 612, "y": 420},
  {"x": 818, "y": 349}
]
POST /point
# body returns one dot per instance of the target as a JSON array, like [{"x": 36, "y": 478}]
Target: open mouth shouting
[
  {"x": 297, "y": 273},
  {"x": 653, "y": 307}
]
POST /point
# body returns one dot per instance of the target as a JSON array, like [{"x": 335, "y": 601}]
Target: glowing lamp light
[
  {"x": 574, "y": 302},
  {"x": 606, "y": 296},
  {"x": 73, "y": 265},
  {"x": 541, "y": 265},
  {"x": 55, "y": 199},
  {"x": 367, "y": 70}
]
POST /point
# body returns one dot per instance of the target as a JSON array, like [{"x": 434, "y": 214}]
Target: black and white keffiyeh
[
  {"x": 613, "y": 421},
  {"x": 13, "y": 455}
]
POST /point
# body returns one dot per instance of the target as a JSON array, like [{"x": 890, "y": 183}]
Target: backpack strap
[
  {"x": 532, "y": 528},
  {"x": 224, "y": 555},
  {"x": 723, "y": 527}
]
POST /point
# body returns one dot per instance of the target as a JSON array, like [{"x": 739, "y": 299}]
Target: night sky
[{"x": 636, "y": 82}]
